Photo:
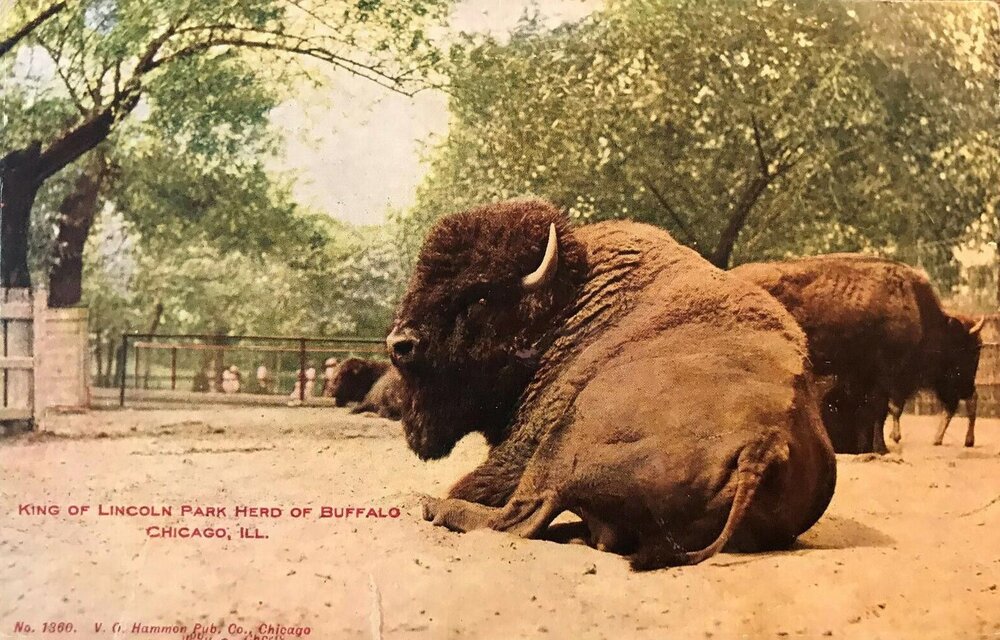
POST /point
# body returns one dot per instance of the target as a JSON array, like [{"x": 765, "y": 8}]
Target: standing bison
[
  {"x": 353, "y": 379},
  {"x": 878, "y": 326},
  {"x": 616, "y": 375}
]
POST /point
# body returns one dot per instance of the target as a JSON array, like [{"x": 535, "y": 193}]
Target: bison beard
[
  {"x": 616, "y": 375},
  {"x": 458, "y": 397}
]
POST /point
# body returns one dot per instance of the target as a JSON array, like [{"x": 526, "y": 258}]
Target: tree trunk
[
  {"x": 154, "y": 324},
  {"x": 99, "y": 358},
  {"x": 22, "y": 173},
  {"x": 727, "y": 241},
  {"x": 110, "y": 350},
  {"x": 19, "y": 172},
  {"x": 76, "y": 215},
  {"x": 219, "y": 357},
  {"x": 119, "y": 362}
]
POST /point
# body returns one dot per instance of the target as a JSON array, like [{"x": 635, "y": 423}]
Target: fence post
[
  {"x": 121, "y": 390},
  {"x": 173, "y": 368},
  {"x": 302, "y": 370}
]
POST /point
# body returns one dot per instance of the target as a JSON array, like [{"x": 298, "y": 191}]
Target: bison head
[
  {"x": 353, "y": 378},
  {"x": 485, "y": 294},
  {"x": 960, "y": 350}
]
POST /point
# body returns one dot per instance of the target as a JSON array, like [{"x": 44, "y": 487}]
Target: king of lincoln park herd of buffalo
[{"x": 675, "y": 408}]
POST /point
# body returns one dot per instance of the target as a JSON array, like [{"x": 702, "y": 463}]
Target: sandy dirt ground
[{"x": 909, "y": 548}]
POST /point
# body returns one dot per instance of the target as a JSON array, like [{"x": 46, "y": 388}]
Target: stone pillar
[{"x": 62, "y": 358}]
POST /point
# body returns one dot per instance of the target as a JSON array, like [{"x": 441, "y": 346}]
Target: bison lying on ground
[
  {"x": 877, "y": 326},
  {"x": 617, "y": 375},
  {"x": 354, "y": 378},
  {"x": 385, "y": 397}
]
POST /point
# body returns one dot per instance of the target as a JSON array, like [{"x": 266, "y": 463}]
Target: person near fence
[
  {"x": 265, "y": 382},
  {"x": 309, "y": 378},
  {"x": 231, "y": 380}
]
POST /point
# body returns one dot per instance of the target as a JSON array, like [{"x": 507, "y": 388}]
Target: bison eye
[{"x": 482, "y": 301}]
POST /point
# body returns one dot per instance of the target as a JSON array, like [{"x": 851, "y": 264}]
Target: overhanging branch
[
  {"x": 662, "y": 199},
  {"x": 25, "y": 31},
  {"x": 56, "y": 55},
  {"x": 761, "y": 156},
  {"x": 231, "y": 35}
]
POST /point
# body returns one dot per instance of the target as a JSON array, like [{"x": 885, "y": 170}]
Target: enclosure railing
[
  {"x": 164, "y": 361},
  {"x": 167, "y": 361}
]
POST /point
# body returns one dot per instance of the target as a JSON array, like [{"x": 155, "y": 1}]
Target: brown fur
[
  {"x": 671, "y": 429},
  {"x": 878, "y": 326},
  {"x": 386, "y": 397},
  {"x": 354, "y": 378}
]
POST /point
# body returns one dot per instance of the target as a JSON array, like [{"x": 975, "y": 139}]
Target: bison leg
[
  {"x": 878, "y": 409},
  {"x": 949, "y": 412},
  {"x": 754, "y": 461},
  {"x": 895, "y": 410},
  {"x": 494, "y": 481},
  {"x": 945, "y": 420},
  {"x": 971, "y": 405},
  {"x": 602, "y": 535},
  {"x": 878, "y": 438},
  {"x": 527, "y": 517},
  {"x": 364, "y": 407}
]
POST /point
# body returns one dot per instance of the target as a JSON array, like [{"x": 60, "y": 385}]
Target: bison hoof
[
  {"x": 970, "y": 443},
  {"x": 430, "y": 508},
  {"x": 937, "y": 443},
  {"x": 896, "y": 437}
]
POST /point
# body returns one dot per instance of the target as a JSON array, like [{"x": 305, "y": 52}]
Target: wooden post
[
  {"x": 17, "y": 357},
  {"x": 121, "y": 394},
  {"x": 302, "y": 370},
  {"x": 3, "y": 352},
  {"x": 173, "y": 368}
]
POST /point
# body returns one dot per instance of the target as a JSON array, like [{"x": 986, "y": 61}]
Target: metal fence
[
  {"x": 210, "y": 368},
  {"x": 191, "y": 367}
]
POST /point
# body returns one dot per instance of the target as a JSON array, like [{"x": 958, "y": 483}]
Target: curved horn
[
  {"x": 976, "y": 328},
  {"x": 550, "y": 262}
]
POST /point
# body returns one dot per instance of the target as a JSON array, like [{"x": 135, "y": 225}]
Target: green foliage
[
  {"x": 207, "y": 73},
  {"x": 229, "y": 120},
  {"x": 168, "y": 195},
  {"x": 201, "y": 228},
  {"x": 749, "y": 130},
  {"x": 333, "y": 288}
]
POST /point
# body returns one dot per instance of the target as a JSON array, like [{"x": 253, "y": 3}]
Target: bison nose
[{"x": 402, "y": 345}]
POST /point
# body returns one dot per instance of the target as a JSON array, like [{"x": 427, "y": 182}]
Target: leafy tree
[
  {"x": 346, "y": 284},
  {"x": 110, "y": 56},
  {"x": 749, "y": 130}
]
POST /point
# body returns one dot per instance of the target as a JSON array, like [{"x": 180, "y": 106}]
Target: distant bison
[
  {"x": 878, "y": 326},
  {"x": 616, "y": 375},
  {"x": 385, "y": 397},
  {"x": 353, "y": 379}
]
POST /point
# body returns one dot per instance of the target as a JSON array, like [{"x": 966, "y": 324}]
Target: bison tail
[{"x": 753, "y": 462}]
